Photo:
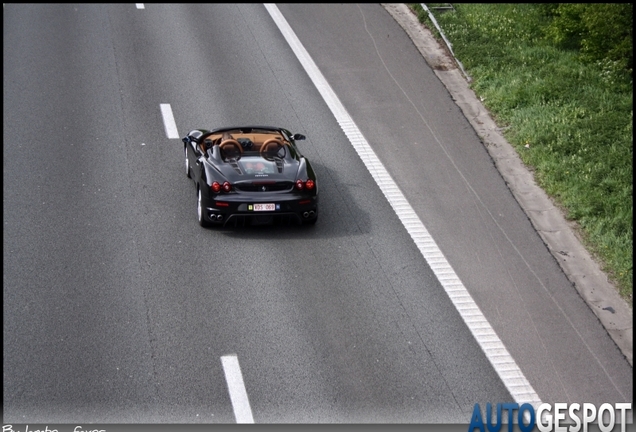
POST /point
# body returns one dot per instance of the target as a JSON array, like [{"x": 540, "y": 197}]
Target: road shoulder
[{"x": 557, "y": 233}]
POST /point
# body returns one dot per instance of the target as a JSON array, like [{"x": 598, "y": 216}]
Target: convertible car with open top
[{"x": 250, "y": 174}]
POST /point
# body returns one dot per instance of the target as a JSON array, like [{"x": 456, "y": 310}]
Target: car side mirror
[
  {"x": 185, "y": 140},
  {"x": 299, "y": 137}
]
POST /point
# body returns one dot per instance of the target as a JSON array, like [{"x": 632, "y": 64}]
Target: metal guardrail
[
  {"x": 446, "y": 7},
  {"x": 448, "y": 44}
]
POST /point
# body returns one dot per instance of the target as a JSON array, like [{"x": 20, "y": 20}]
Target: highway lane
[
  {"x": 67, "y": 313},
  {"x": 118, "y": 306}
]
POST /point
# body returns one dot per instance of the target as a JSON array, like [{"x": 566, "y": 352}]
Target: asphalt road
[{"x": 118, "y": 307}]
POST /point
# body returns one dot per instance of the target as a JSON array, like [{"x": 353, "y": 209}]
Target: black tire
[
  {"x": 200, "y": 216},
  {"x": 187, "y": 163}
]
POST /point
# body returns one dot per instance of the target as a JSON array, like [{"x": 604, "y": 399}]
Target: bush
[{"x": 601, "y": 31}]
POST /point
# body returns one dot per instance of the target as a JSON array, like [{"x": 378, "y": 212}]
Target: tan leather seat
[
  {"x": 271, "y": 147},
  {"x": 230, "y": 148}
]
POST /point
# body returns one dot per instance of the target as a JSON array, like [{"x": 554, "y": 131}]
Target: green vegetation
[{"x": 558, "y": 77}]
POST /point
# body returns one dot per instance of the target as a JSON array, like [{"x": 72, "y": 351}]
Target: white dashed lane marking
[
  {"x": 168, "y": 121},
  {"x": 236, "y": 388}
]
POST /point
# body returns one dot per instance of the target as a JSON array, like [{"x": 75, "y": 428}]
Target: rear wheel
[
  {"x": 200, "y": 210},
  {"x": 187, "y": 163}
]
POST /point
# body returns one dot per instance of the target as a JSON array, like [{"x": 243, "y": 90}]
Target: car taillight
[
  {"x": 218, "y": 187},
  {"x": 309, "y": 184}
]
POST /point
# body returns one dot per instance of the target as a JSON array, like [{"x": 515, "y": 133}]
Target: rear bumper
[{"x": 223, "y": 211}]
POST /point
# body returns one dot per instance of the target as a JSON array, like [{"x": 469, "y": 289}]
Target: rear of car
[
  {"x": 253, "y": 174},
  {"x": 250, "y": 201}
]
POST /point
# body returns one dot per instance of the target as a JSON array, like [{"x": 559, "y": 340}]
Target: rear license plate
[{"x": 264, "y": 207}]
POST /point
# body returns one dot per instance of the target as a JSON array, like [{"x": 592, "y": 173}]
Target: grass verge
[{"x": 571, "y": 121}]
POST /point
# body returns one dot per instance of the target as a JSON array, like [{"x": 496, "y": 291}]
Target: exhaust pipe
[
  {"x": 312, "y": 213},
  {"x": 219, "y": 217},
  {"x": 306, "y": 215}
]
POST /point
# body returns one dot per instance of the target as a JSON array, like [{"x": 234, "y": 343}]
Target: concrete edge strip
[{"x": 501, "y": 360}]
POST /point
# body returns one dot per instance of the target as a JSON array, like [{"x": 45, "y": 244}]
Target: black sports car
[{"x": 250, "y": 173}]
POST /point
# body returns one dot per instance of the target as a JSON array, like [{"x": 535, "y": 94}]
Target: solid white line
[
  {"x": 236, "y": 387},
  {"x": 168, "y": 121},
  {"x": 140, "y": 6},
  {"x": 503, "y": 363}
]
